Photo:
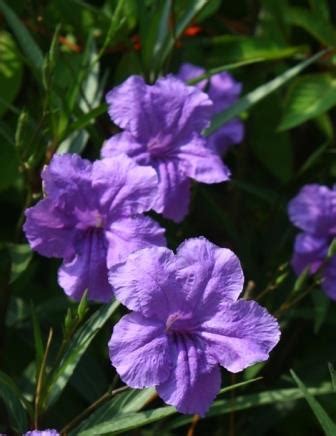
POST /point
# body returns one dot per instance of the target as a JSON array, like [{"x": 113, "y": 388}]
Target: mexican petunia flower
[
  {"x": 48, "y": 432},
  {"x": 162, "y": 128},
  {"x": 186, "y": 322},
  {"x": 223, "y": 91},
  {"x": 91, "y": 219},
  {"x": 313, "y": 211}
]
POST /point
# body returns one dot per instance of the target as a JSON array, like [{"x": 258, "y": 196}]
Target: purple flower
[
  {"x": 47, "y": 432},
  {"x": 313, "y": 211},
  {"x": 162, "y": 128},
  {"x": 223, "y": 90},
  {"x": 186, "y": 321},
  {"x": 90, "y": 218}
]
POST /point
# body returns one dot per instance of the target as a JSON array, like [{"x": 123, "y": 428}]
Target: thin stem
[
  {"x": 109, "y": 394},
  {"x": 39, "y": 384},
  {"x": 192, "y": 428}
]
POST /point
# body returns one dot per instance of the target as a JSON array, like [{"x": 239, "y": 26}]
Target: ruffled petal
[
  {"x": 201, "y": 162},
  {"x": 87, "y": 270},
  {"x": 130, "y": 234},
  {"x": 314, "y": 210},
  {"x": 123, "y": 187},
  {"x": 308, "y": 251},
  {"x": 146, "y": 282},
  {"x": 173, "y": 191},
  {"x": 139, "y": 351},
  {"x": 240, "y": 334},
  {"x": 211, "y": 275},
  {"x": 67, "y": 173},
  {"x": 193, "y": 384},
  {"x": 49, "y": 230},
  {"x": 125, "y": 143}
]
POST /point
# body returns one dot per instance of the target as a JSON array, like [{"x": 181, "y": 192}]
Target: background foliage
[{"x": 57, "y": 60}]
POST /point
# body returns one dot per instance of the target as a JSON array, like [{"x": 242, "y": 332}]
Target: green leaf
[
  {"x": 314, "y": 24},
  {"x": 301, "y": 280},
  {"x": 10, "y": 71},
  {"x": 307, "y": 98},
  {"x": 39, "y": 347},
  {"x": 232, "y": 48},
  {"x": 326, "y": 423},
  {"x": 238, "y": 385},
  {"x": 11, "y": 398},
  {"x": 259, "y": 93},
  {"x": 21, "y": 255},
  {"x": 124, "y": 403},
  {"x": 332, "y": 375},
  {"x": 75, "y": 350},
  {"x": 243, "y": 402},
  {"x": 28, "y": 45},
  {"x": 128, "y": 421},
  {"x": 321, "y": 305},
  {"x": 274, "y": 149}
]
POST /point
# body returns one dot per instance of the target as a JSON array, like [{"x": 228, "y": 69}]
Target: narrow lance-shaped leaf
[
  {"x": 259, "y": 93},
  {"x": 325, "y": 421},
  {"x": 77, "y": 347}
]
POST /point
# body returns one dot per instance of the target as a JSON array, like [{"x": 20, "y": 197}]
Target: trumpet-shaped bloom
[
  {"x": 313, "y": 211},
  {"x": 48, "y": 432},
  {"x": 186, "y": 322},
  {"x": 223, "y": 91},
  {"x": 162, "y": 129},
  {"x": 91, "y": 219}
]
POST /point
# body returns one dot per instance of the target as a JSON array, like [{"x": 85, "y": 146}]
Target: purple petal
[
  {"x": 192, "y": 384},
  {"x": 309, "y": 251},
  {"x": 189, "y": 71},
  {"x": 173, "y": 191},
  {"x": 128, "y": 105},
  {"x": 87, "y": 270},
  {"x": 48, "y": 432},
  {"x": 139, "y": 351},
  {"x": 240, "y": 334},
  {"x": 314, "y": 210},
  {"x": 123, "y": 187},
  {"x": 329, "y": 278},
  {"x": 124, "y": 143},
  {"x": 146, "y": 282},
  {"x": 66, "y": 172},
  {"x": 224, "y": 90},
  {"x": 202, "y": 163},
  {"x": 130, "y": 234},
  {"x": 211, "y": 275},
  {"x": 49, "y": 230},
  {"x": 231, "y": 133}
]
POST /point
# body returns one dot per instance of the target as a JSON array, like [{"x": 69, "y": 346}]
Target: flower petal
[
  {"x": 67, "y": 172},
  {"x": 211, "y": 275},
  {"x": 130, "y": 234},
  {"x": 189, "y": 71},
  {"x": 123, "y": 187},
  {"x": 314, "y": 210},
  {"x": 201, "y": 162},
  {"x": 139, "y": 351},
  {"x": 173, "y": 191},
  {"x": 87, "y": 270},
  {"x": 231, "y": 133},
  {"x": 192, "y": 384},
  {"x": 49, "y": 230},
  {"x": 240, "y": 334},
  {"x": 329, "y": 278},
  {"x": 309, "y": 251},
  {"x": 224, "y": 90},
  {"x": 125, "y": 143},
  {"x": 146, "y": 282}
]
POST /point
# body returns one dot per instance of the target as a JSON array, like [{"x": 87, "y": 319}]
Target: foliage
[{"x": 57, "y": 60}]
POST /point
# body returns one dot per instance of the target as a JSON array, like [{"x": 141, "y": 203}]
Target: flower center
[
  {"x": 89, "y": 219},
  {"x": 179, "y": 322}
]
